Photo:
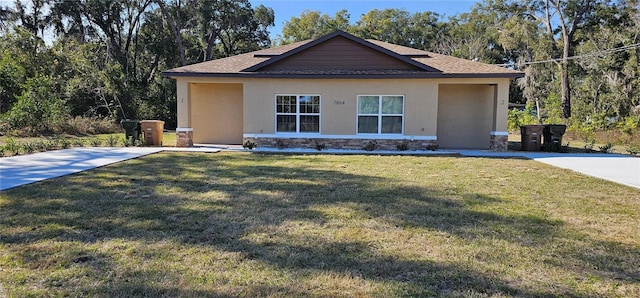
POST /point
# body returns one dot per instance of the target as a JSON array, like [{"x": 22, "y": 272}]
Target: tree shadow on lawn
[{"x": 224, "y": 201}]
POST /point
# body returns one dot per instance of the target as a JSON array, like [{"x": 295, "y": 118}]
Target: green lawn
[
  {"x": 10, "y": 146},
  {"x": 242, "y": 224},
  {"x": 573, "y": 145}
]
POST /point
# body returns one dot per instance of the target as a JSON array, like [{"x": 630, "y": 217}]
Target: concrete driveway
[
  {"x": 24, "y": 169},
  {"x": 618, "y": 168}
]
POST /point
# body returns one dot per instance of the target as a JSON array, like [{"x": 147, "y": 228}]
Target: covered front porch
[{"x": 209, "y": 113}]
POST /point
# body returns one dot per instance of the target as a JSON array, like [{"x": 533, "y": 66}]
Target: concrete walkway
[{"x": 24, "y": 169}]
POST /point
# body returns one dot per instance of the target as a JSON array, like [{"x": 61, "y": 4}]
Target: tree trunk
[
  {"x": 565, "y": 102},
  {"x": 175, "y": 27},
  {"x": 538, "y": 111},
  {"x": 565, "y": 86},
  {"x": 211, "y": 40}
]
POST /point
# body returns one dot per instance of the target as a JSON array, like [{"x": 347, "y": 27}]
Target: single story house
[{"x": 343, "y": 92}]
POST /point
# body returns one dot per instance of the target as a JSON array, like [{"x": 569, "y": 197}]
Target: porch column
[
  {"x": 184, "y": 132},
  {"x": 499, "y": 136}
]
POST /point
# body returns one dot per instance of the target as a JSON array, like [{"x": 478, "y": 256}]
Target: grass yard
[
  {"x": 575, "y": 146},
  {"x": 10, "y": 146},
  {"x": 241, "y": 224},
  {"x": 168, "y": 138}
]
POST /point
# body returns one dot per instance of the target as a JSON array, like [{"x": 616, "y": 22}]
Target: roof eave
[{"x": 427, "y": 75}]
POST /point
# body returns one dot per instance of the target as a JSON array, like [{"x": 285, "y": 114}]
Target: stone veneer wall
[
  {"x": 184, "y": 139},
  {"x": 499, "y": 143},
  {"x": 352, "y": 144}
]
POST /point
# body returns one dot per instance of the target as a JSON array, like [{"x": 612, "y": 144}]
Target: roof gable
[
  {"x": 386, "y": 61},
  {"x": 340, "y": 51}
]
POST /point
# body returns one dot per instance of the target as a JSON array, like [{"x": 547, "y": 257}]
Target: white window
[
  {"x": 380, "y": 114},
  {"x": 298, "y": 113}
]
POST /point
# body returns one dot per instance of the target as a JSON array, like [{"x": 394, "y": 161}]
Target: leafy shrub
[
  {"x": 580, "y": 130},
  {"x": 28, "y": 147},
  {"x": 95, "y": 142},
  {"x": 12, "y": 147},
  {"x": 37, "y": 110},
  {"x": 52, "y": 144},
  {"x": 320, "y": 146},
  {"x": 78, "y": 125},
  {"x": 249, "y": 145},
  {"x": 64, "y": 143},
  {"x": 588, "y": 145},
  {"x": 78, "y": 143},
  {"x": 552, "y": 110},
  {"x": 629, "y": 125},
  {"x": 90, "y": 125},
  {"x": 280, "y": 144},
  {"x": 402, "y": 146},
  {"x": 432, "y": 147},
  {"x": 112, "y": 141},
  {"x": 131, "y": 142},
  {"x": 606, "y": 148},
  {"x": 41, "y": 146},
  {"x": 633, "y": 149},
  {"x": 370, "y": 146},
  {"x": 517, "y": 118},
  {"x": 126, "y": 142}
]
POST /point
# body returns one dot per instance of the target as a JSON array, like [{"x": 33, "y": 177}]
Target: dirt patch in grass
[{"x": 239, "y": 224}]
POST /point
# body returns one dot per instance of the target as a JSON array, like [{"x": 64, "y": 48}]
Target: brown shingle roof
[
  {"x": 250, "y": 64},
  {"x": 447, "y": 64}
]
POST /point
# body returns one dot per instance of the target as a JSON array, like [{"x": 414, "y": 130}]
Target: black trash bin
[
  {"x": 553, "y": 136},
  {"x": 131, "y": 128},
  {"x": 531, "y": 137}
]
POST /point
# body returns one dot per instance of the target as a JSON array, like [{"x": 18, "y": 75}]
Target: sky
[{"x": 285, "y": 9}]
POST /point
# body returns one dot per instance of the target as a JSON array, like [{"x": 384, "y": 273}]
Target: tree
[
  {"x": 173, "y": 15},
  {"x": 389, "y": 25},
  {"x": 119, "y": 21},
  {"x": 6, "y": 18},
  {"x": 32, "y": 17},
  {"x": 246, "y": 29},
  {"x": 313, "y": 24},
  {"x": 611, "y": 77},
  {"x": 69, "y": 21},
  {"x": 106, "y": 56},
  {"x": 427, "y": 30},
  {"x": 12, "y": 75},
  {"x": 562, "y": 19},
  {"x": 474, "y": 36},
  {"x": 37, "y": 109},
  {"x": 421, "y": 30}
]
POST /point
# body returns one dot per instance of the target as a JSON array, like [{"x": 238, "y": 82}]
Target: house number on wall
[{"x": 338, "y": 102}]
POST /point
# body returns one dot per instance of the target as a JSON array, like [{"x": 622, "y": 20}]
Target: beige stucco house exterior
[{"x": 343, "y": 91}]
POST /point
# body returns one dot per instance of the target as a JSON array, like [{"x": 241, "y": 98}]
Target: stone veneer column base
[
  {"x": 350, "y": 144},
  {"x": 184, "y": 137},
  {"x": 499, "y": 143}
]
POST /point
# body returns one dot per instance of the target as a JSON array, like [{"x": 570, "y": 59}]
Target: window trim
[
  {"x": 297, "y": 113},
  {"x": 379, "y": 114}
]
